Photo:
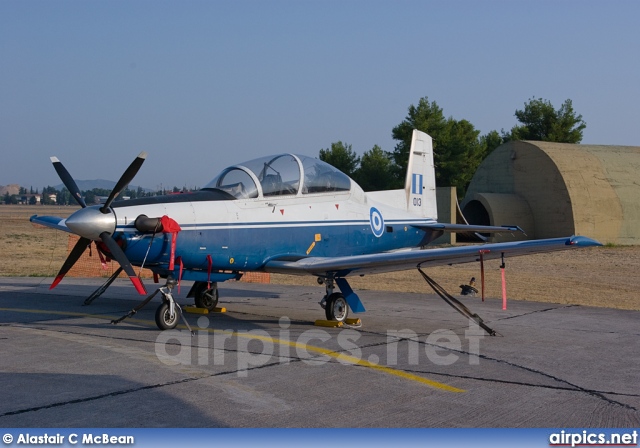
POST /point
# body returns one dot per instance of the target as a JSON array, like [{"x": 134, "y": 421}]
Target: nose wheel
[{"x": 166, "y": 318}]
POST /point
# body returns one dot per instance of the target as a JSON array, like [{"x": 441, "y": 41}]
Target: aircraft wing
[
  {"x": 409, "y": 259},
  {"x": 53, "y": 222}
]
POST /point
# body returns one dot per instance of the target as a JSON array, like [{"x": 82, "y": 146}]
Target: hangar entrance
[
  {"x": 497, "y": 209},
  {"x": 475, "y": 213}
]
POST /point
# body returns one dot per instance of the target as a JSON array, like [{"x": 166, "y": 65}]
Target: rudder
[{"x": 420, "y": 184}]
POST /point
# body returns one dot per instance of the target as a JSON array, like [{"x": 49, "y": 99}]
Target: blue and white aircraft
[{"x": 286, "y": 214}]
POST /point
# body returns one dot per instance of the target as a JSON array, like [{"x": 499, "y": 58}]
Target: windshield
[
  {"x": 236, "y": 182},
  {"x": 280, "y": 175}
]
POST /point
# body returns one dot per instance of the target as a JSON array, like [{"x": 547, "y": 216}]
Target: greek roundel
[{"x": 376, "y": 221}]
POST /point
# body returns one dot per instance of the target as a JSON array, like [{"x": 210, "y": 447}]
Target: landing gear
[
  {"x": 168, "y": 312},
  {"x": 206, "y": 297},
  {"x": 166, "y": 318},
  {"x": 336, "y": 307}
]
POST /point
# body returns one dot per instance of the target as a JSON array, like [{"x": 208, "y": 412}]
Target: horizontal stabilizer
[{"x": 470, "y": 228}]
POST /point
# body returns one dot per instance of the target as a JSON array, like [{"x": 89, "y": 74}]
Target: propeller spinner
[{"x": 97, "y": 223}]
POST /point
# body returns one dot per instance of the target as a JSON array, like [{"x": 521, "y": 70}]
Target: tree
[
  {"x": 32, "y": 200},
  {"x": 426, "y": 117},
  {"x": 10, "y": 199},
  {"x": 90, "y": 197},
  {"x": 491, "y": 141},
  {"x": 376, "y": 170},
  {"x": 342, "y": 157},
  {"x": 457, "y": 148},
  {"x": 541, "y": 122},
  {"x": 457, "y": 155},
  {"x": 63, "y": 197}
]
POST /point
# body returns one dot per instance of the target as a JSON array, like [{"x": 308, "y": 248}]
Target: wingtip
[
  {"x": 142, "y": 155},
  {"x": 54, "y": 159},
  {"x": 583, "y": 241}
]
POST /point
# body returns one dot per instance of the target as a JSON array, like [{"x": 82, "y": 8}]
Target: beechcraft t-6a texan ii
[{"x": 286, "y": 214}]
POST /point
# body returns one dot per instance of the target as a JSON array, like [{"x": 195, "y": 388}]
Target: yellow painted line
[
  {"x": 311, "y": 348},
  {"x": 356, "y": 361}
]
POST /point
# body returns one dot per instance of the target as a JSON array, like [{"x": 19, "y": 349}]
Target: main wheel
[
  {"x": 163, "y": 317},
  {"x": 336, "y": 307},
  {"x": 207, "y": 297}
]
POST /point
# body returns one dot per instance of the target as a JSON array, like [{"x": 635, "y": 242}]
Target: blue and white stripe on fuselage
[{"x": 245, "y": 234}]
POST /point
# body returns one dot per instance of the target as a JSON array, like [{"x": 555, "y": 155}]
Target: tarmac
[{"x": 414, "y": 362}]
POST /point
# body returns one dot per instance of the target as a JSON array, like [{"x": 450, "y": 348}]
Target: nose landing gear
[{"x": 168, "y": 311}]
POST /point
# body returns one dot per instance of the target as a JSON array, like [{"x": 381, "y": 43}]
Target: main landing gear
[
  {"x": 335, "y": 305},
  {"x": 205, "y": 295}
]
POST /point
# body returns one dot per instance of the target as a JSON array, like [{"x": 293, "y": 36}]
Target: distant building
[{"x": 26, "y": 198}]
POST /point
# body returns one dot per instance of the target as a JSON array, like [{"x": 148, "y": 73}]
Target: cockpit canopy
[{"x": 280, "y": 175}]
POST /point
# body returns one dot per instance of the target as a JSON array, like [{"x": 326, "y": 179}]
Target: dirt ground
[{"x": 602, "y": 276}]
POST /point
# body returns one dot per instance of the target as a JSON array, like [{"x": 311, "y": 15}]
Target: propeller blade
[
  {"x": 119, "y": 255},
  {"x": 125, "y": 179},
  {"x": 74, "y": 255},
  {"x": 68, "y": 181}
]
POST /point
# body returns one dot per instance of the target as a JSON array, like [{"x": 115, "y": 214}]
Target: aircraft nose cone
[{"x": 90, "y": 222}]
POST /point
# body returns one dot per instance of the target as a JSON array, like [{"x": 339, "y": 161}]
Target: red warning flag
[{"x": 172, "y": 227}]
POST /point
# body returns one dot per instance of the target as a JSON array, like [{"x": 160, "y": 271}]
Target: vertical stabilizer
[{"x": 420, "y": 185}]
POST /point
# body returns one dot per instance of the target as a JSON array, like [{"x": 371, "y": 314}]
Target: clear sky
[{"x": 201, "y": 85}]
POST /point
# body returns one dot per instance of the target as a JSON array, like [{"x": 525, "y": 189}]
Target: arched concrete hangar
[{"x": 559, "y": 189}]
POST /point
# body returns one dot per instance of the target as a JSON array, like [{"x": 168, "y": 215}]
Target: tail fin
[{"x": 420, "y": 184}]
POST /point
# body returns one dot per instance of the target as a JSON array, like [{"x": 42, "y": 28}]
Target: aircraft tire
[
  {"x": 336, "y": 308},
  {"x": 207, "y": 298},
  {"x": 163, "y": 319}
]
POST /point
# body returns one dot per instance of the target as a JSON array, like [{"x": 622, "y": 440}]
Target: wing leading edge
[
  {"x": 53, "y": 222},
  {"x": 409, "y": 259}
]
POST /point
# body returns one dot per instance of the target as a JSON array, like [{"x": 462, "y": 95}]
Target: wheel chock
[
  {"x": 195, "y": 310},
  {"x": 328, "y": 323},
  {"x": 219, "y": 310},
  {"x": 355, "y": 321}
]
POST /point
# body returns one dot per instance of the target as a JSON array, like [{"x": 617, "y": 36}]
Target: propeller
[
  {"x": 97, "y": 223},
  {"x": 74, "y": 256},
  {"x": 68, "y": 181},
  {"x": 119, "y": 255},
  {"x": 125, "y": 179}
]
